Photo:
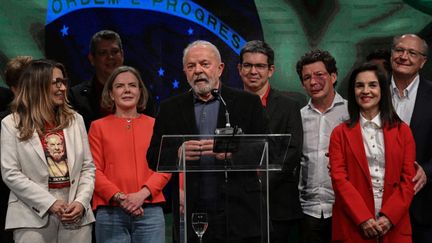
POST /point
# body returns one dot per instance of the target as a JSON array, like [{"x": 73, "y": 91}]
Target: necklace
[
  {"x": 129, "y": 123},
  {"x": 128, "y": 119}
]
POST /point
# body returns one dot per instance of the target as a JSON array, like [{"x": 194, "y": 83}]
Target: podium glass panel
[{"x": 222, "y": 194}]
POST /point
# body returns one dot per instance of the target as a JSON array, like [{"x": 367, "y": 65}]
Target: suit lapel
[
  {"x": 419, "y": 103},
  {"x": 272, "y": 104},
  {"x": 391, "y": 139},
  {"x": 69, "y": 136},
  {"x": 186, "y": 105},
  {"x": 37, "y": 146},
  {"x": 355, "y": 142}
]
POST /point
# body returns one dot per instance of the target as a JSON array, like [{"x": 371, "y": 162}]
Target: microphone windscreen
[{"x": 215, "y": 93}]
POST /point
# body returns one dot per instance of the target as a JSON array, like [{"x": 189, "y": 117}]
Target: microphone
[
  {"x": 215, "y": 93},
  {"x": 228, "y": 130}
]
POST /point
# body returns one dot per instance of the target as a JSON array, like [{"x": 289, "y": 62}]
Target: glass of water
[{"x": 199, "y": 224}]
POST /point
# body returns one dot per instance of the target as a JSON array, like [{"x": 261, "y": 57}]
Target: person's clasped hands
[
  {"x": 68, "y": 214},
  {"x": 194, "y": 149},
  {"x": 132, "y": 202},
  {"x": 375, "y": 228}
]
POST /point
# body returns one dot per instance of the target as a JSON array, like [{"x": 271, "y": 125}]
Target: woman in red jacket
[
  {"x": 128, "y": 195},
  {"x": 372, "y": 163}
]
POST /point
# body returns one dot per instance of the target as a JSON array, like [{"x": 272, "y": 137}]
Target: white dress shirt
[
  {"x": 316, "y": 192},
  {"x": 373, "y": 141},
  {"x": 404, "y": 105}
]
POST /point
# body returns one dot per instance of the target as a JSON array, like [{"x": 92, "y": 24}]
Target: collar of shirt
[
  {"x": 265, "y": 97},
  {"x": 408, "y": 91},
  {"x": 374, "y": 123},
  {"x": 338, "y": 100},
  {"x": 198, "y": 100}
]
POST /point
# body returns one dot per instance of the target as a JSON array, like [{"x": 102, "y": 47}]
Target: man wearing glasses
[
  {"x": 106, "y": 54},
  {"x": 411, "y": 95},
  {"x": 256, "y": 68}
]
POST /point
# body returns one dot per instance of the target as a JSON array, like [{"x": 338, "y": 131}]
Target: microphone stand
[{"x": 227, "y": 130}]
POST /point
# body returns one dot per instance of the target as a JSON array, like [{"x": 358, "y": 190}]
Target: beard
[
  {"x": 202, "y": 85},
  {"x": 202, "y": 89},
  {"x": 57, "y": 157}
]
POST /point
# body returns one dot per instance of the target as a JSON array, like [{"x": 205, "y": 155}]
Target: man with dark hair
[
  {"x": 326, "y": 108},
  {"x": 381, "y": 57},
  {"x": 256, "y": 67},
  {"x": 411, "y": 95},
  {"x": 106, "y": 54}
]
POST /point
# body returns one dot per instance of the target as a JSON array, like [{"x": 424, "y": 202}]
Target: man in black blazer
[
  {"x": 255, "y": 68},
  {"x": 411, "y": 94},
  {"x": 106, "y": 54},
  {"x": 199, "y": 112}
]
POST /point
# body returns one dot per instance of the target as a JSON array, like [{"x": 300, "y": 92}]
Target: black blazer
[
  {"x": 177, "y": 116},
  {"x": 284, "y": 117},
  {"x": 84, "y": 100},
  {"x": 6, "y": 96},
  {"x": 421, "y": 126}
]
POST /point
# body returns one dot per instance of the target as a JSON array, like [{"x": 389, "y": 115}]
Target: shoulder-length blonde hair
[
  {"x": 108, "y": 104},
  {"x": 33, "y": 107}
]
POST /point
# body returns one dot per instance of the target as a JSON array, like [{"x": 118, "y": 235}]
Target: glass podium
[{"x": 221, "y": 195}]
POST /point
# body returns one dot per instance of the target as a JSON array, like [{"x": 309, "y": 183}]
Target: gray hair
[
  {"x": 424, "y": 44},
  {"x": 201, "y": 43}
]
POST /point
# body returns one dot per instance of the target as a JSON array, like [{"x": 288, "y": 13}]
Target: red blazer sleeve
[{"x": 157, "y": 182}]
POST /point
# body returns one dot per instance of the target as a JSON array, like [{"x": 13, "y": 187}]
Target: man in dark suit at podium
[
  {"x": 411, "y": 95},
  {"x": 256, "y": 67},
  {"x": 232, "y": 200}
]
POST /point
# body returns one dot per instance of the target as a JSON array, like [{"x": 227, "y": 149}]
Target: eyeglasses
[
  {"x": 318, "y": 75},
  {"x": 59, "y": 81},
  {"x": 258, "y": 66},
  {"x": 411, "y": 52},
  {"x": 106, "y": 53}
]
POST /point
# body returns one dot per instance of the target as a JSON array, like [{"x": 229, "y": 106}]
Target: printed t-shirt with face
[{"x": 54, "y": 147}]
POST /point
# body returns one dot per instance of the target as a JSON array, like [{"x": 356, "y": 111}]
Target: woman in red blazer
[
  {"x": 372, "y": 163},
  {"x": 128, "y": 194}
]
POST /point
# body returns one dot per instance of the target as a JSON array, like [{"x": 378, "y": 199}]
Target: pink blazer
[{"x": 352, "y": 184}]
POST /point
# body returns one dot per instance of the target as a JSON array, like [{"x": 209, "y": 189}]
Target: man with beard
[{"x": 231, "y": 199}]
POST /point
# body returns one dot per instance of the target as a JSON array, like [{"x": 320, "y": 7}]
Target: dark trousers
[
  {"x": 316, "y": 230},
  {"x": 421, "y": 233},
  {"x": 5, "y": 236},
  {"x": 285, "y": 231}
]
